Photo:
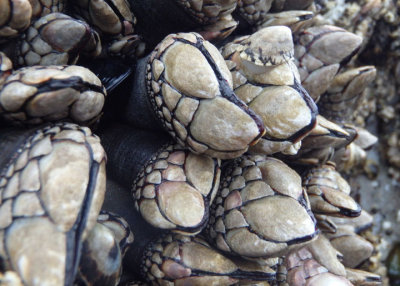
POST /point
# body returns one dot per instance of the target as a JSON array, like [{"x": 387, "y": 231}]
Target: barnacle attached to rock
[
  {"x": 329, "y": 134},
  {"x": 41, "y": 8},
  {"x": 208, "y": 11},
  {"x": 215, "y": 15},
  {"x": 57, "y": 39},
  {"x": 109, "y": 17},
  {"x": 330, "y": 224},
  {"x": 122, "y": 232},
  {"x": 295, "y": 20},
  {"x": 190, "y": 88},
  {"x": 216, "y": 105},
  {"x": 343, "y": 95},
  {"x": 172, "y": 187},
  {"x": 52, "y": 187},
  {"x": 349, "y": 158},
  {"x": 318, "y": 264},
  {"x": 181, "y": 260},
  {"x": 254, "y": 12},
  {"x": 103, "y": 251},
  {"x": 130, "y": 46},
  {"x": 258, "y": 12},
  {"x": 38, "y": 94},
  {"x": 157, "y": 19},
  {"x": 261, "y": 209},
  {"x": 304, "y": 269},
  {"x": 353, "y": 157},
  {"x": 355, "y": 249},
  {"x": 323, "y": 141},
  {"x": 115, "y": 22},
  {"x": 357, "y": 17},
  {"x": 175, "y": 189},
  {"x": 319, "y": 52},
  {"x": 363, "y": 278},
  {"x": 266, "y": 79},
  {"x": 329, "y": 192},
  {"x": 15, "y": 17}
]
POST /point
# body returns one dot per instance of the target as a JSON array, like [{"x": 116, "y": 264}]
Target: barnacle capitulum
[
  {"x": 172, "y": 188},
  {"x": 130, "y": 46},
  {"x": 175, "y": 190},
  {"x": 208, "y": 11},
  {"x": 343, "y": 96},
  {"x": 52, "y": 187},
  {"x": 361, "y": 277},
  {"x": 115, "y": 22},
  {"x": 318, "y": 264},
  {"x": 122, "y": 232},
  {"x": 15, "y": 17},
  {"x": 319, "y": 52},
  {"x": 294, "y": 19},
  {"x": 304, "y": 269},
  {"x": 328, "y": 134},
  {"x": 33, "y": 95},
  {"x": 326, "y": 255},
  {"x": 257, "y": 12},
  {"x": 354, "y": 156},
  {"x": 343, "y": 233},
  {"x": 157, "y": 19},
  {"x": 41, "y": 8},
  {"x": 355, "y": 248},
  {"x": 215, "y": 16},
  {"x": 181, "y": 260},
  {"x": 103, "y": 251},
  {"x": 101, "y": 260},
  {"x": 190, "y": 87},
  {"x": 266, "y": 79},
  {"x": 364, "y": 138},
  {"x": 349, "y": 158},
  {"x": 261, "y": 209},
  {"x": 5, "y": 67},
  {"x": 330, "y": 224},
  {"x": 359, "y": 18},
  {"x": 254, "y": 11},
  {"x": 323, "y": 142},
  {"x": 57, "y": 39},
  {"x": 110, "y": 17},
  {"x": 329, "y": 192}
]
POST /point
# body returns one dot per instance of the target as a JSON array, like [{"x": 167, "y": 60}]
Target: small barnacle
[{"x": 56, "y": 39}]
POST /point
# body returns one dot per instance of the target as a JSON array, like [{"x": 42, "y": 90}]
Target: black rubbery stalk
[
  {"x": 158, "y": 18},
  {"x": 139, "y": 111},
  {"x": 128, "y": 149}
]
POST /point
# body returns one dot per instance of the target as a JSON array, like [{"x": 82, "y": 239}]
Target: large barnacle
[
  {"x": 38, "y": 94},
  {"x": 190, "y": 87},
  {"x": 52, "y": 185},
  {"x": 261, "y": 209}
]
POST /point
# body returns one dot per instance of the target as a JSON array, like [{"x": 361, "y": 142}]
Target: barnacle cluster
[{"x": 230, "y": 129}]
